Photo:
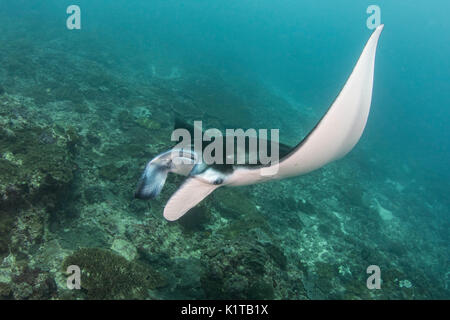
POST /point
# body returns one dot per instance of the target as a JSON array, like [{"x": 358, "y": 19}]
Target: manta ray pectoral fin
[
  {"x": 191, "y": 192},
  {"x": 341, "y": 127},
  {"x": 336, "y": 133}
]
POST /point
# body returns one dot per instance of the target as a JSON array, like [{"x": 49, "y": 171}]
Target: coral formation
[{"x": 105, "y": 275}]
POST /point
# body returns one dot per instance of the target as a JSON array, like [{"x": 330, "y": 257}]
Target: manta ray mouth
[{"x": 152, "y": 181}]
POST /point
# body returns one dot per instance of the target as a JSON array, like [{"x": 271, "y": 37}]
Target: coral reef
[
  {"x": 106, "y": 275},
  {"x": 37, "y": 169}
]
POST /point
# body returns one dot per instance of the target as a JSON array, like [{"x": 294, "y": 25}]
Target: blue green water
[{"x": 82, "y": 111}]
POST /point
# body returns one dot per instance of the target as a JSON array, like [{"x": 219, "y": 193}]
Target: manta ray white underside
[{"x": 333, "y": 137}]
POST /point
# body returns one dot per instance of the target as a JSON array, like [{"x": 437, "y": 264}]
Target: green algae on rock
[
  {"x": 33, "y": 160},
  {"x": 125, "y": 249},
  {"x": 148, "y": 123},
  {"x": 33, "y": 284},
  {"x": 5, "y": 291},
  {"x": 36, "y": 168},
  {"x": 105, "y": 275}
]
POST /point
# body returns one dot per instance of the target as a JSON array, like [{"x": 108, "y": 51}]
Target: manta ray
[{"x": 333, "y": 137}]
